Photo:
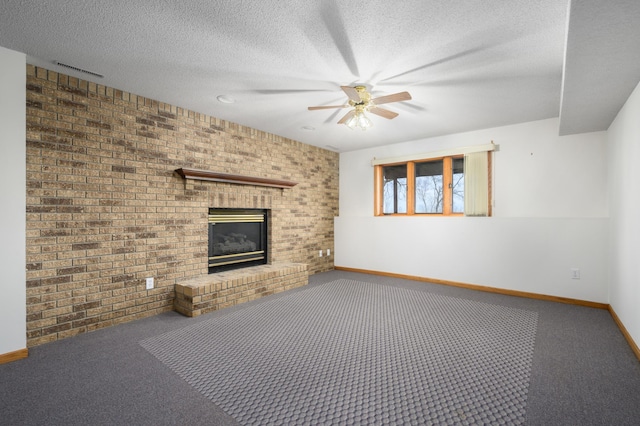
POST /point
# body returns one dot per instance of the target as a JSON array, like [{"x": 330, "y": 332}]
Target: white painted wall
[
  {"x": 624, "y": 200},
  {"x": 13, "y": 189},
  {"x": 550, "y": 215}
]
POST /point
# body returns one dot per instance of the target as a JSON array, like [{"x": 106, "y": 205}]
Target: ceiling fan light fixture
[
  {"x": 359, "y": 119},
  {"x": 351, "y": 123},
  {"x": 364, "y": 122},
  {"x": 361, "y": 101}
]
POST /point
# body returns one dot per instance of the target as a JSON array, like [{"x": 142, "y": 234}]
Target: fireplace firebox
[{"x": 237, "y": 238}]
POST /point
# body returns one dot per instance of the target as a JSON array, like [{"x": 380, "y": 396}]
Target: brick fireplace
[{"x": 107, "y": 206}]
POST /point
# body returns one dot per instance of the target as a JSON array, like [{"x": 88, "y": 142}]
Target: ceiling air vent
[{"x": 71, "y": 67}]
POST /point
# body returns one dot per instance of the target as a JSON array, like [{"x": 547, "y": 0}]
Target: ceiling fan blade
[
  {"x": 383, "y": 112},
  {"x": 347, "y": 116},
  {"x": 327, "y": 107},
  {"x": 352, "y": 93},
  {"x": 396, "y": 97}
]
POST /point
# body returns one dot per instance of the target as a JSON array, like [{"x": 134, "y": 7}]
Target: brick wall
[{"x": 105, "y": 208}]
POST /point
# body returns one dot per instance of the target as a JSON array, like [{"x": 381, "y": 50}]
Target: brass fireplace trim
[
  {"x": 225, "y": 256},
  {"x": 236, "y": 218}
]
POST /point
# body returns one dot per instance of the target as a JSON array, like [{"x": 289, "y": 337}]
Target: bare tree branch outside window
[
  {"x": 395, "y": 196},
  {"x": 458, "y": 192},
  {"x": 429, "y": 194}
]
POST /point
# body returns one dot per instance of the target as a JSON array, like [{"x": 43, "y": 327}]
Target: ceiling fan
[{"x": 361, "y": 101}]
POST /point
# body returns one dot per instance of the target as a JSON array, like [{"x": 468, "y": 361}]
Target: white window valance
[{"x": 436, "y": 154}]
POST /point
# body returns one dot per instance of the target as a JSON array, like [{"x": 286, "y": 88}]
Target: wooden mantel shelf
[{"x": 237, "y": 179}]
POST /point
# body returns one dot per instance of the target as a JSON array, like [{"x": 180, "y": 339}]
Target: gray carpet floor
[
  {"x": 350, "y": 352},
  {"x": 574, "y": 366}
]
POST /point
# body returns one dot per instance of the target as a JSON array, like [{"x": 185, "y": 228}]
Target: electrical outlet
[
  {"x": 149, "y": 283},
  {"x": 328, "y": 252},
  {"x": 320, "y": 253},
  {"x": 575, "y": 273}
]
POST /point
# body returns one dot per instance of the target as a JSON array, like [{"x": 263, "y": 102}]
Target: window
[
  {"x": 429, "y": 192},
  {"x": 394, "y": 189},
  {"x": 433, "y": 186}
]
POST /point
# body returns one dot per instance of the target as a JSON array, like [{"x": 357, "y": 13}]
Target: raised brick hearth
[{"x": 211, "y": 292}]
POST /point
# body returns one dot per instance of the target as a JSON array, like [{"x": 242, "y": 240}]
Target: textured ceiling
[{"x": 468, "y": 65}]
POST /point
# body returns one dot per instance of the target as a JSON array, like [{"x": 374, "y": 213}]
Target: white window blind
[{"x": 476, "y": 184}]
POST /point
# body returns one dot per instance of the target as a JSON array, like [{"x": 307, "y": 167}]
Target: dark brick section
[
  {"x": 105, "y": 208},
  {"x": 56, "y": 329},
  {"x": 34, "y": 88},
  {"x": 98, "y": 125},
  {"x": 70, "y": 317},
  {"x": 123, "y": 169},
  {"x": 34, "y": 104},
  {"x": 72, "y": 270},
  {"x": 70, "y": 104},
  {"x": 40, "y": 128},
  {"x": 85, "y": 246},
  {"x": 73, "y": 90},
  {"x": 71, "y": 134},
  {"x": 143, "y": 235},
  {"x": 55, "y": 280},
  {"x": 141, "y": 120},
  {"x": 166, "y": 126},
  {"x": 147, "y": 134},
  {"x": 85, "y": 306}
]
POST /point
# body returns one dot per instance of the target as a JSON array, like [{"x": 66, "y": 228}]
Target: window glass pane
[
  {"x": 394, "y": 189},
  {"x": 429, "y": 187},
  {"x": 457, "y": 186}
]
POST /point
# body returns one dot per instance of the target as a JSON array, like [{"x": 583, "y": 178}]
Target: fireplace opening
[{"x": 237, "y": 238}]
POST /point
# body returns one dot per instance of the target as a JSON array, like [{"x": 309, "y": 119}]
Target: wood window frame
[{"x": 447, "y": 177}]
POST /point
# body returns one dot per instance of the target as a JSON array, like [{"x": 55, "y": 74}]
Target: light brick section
[
  {"x": 208, "y": 293},
  {"x": 105, "y": 208}
]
